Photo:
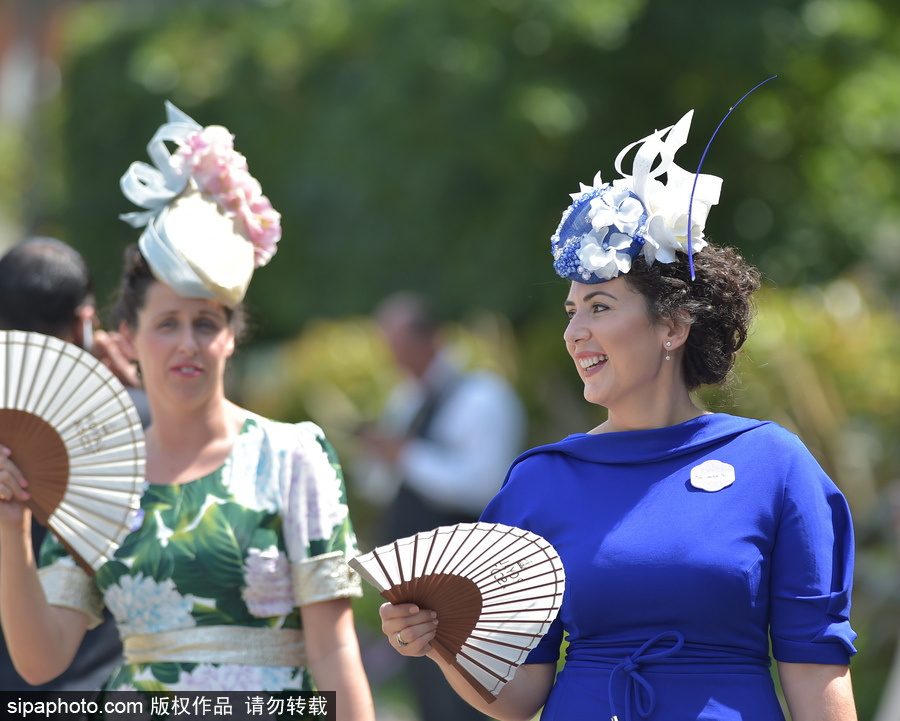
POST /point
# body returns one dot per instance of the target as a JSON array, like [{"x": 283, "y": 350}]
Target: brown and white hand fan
[
  {"x": 77, "y": 438},
  {"x": 496, "y": 589}
]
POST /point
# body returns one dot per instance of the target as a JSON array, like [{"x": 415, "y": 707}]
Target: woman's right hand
[
  {"x": 409, "y": 628},
  {"x": 12, "y": 491}
]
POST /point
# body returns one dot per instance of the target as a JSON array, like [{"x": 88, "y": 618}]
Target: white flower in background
[
  {"x": 267, "y": 578},
  {"x": 141, "y": 605}
]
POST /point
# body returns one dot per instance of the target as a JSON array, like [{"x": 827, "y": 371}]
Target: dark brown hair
[
  {"x": 132, "y": 296},
  {"x": 717, "y": 304}
]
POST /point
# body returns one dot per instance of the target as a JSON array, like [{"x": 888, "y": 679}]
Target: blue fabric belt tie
[{"x": 637, "y": 688}]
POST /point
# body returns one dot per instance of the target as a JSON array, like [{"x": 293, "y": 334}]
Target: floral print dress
[{"x": 222, "y": 564}]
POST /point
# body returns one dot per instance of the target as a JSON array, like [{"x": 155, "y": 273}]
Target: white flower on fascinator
[
  {"x": 606, "y": 262},
  {"x": 618, "y": 208}
]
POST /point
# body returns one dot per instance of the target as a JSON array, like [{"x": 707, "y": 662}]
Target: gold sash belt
[{"x": 245, "y": 645}]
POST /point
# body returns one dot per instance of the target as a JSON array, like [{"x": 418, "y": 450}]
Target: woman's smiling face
[{"x": 617, "y": 350}]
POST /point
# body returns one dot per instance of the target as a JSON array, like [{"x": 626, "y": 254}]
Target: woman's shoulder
[
  {"x": 778, "y": 454},
  {"x": 708, "y": 433},
  {"x": 271, "y": 444},
  {"x": 271, "y": 425},
  {"x": 765, "y": 431},
  {"x": 284, "y": 433}
]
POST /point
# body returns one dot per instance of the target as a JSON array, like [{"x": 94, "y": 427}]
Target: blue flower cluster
[
  {"x": 573, "y": 226},
  {"x": 567, "y": 264}
]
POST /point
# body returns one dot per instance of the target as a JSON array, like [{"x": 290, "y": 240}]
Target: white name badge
[{"x": 712, "y": 476}]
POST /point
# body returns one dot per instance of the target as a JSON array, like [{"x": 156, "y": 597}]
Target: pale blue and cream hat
[{"x": 206, "y": 223}]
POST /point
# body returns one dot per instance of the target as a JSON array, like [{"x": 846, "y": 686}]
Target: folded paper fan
[
  {"x": 496, "y": 589},
  {"x": 77, "y": 438}
]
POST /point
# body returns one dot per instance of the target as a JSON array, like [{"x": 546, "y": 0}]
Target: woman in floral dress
[{"x": 234, "y": 576}]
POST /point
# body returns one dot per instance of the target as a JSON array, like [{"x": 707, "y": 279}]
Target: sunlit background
[{"x": 432, "y": 146}]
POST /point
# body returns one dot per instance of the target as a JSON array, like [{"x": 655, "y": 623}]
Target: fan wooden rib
[
  {"x": 76, "y": 436},
  {"x": 41, "y": 456},
  {"x": 495, "y": 589}
]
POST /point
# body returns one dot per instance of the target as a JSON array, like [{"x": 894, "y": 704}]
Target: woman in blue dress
[
  {"x": 692, "y": 542},
  {"x": 234, "y": 577}
]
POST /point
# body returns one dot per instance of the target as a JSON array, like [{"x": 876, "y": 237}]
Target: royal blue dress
[{"x": 685, "y": 549}]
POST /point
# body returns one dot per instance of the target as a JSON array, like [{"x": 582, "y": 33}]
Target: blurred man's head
[
  {"x": 411, "y": 331},
  {"x": 45, "y": 286}
]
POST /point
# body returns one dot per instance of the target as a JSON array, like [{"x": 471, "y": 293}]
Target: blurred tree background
[{"x": 432, "y": 146}]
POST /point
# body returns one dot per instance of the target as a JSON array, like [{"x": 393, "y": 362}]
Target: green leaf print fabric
[{"x": 218, "y": 551}]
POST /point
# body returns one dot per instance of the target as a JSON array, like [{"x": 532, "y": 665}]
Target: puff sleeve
[{"x": 318, "y": 534}]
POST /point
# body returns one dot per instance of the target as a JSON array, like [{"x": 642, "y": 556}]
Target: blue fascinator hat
[{"x": 608, "y": 225}]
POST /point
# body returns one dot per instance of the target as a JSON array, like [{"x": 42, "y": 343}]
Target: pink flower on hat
[
  {"x": 263, "y": 224},
  {"x": 219, "y": 170}
]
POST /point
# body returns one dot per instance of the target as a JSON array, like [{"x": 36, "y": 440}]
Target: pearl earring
[{"x": 668, "y": 345}]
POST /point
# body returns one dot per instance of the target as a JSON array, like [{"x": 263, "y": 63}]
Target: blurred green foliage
[
  {"x": 432, "y": 146},
  {"x": 11, "y": 150}
]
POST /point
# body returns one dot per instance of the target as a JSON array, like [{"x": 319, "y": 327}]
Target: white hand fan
[
  {"x": 495, "y": 589},
  {"x": 77, "y": 438}
]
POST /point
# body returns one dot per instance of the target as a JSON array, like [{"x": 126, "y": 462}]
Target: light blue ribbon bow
[{"x": 152, "y": 187}]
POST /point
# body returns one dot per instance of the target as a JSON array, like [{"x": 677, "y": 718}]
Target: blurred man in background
[
  {"x": 46, "y": 287},
  {"x": 437, "y": 455}
]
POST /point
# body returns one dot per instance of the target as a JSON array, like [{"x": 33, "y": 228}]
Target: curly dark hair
[
  {"x": 717, "y": 304},
  {"x": 132, "y": 295}
]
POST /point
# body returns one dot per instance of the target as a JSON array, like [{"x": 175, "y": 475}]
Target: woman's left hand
[{"x": 409, "y": 628}]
